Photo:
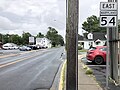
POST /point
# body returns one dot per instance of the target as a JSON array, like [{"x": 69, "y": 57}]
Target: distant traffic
[{"x": 12, "y": 46}]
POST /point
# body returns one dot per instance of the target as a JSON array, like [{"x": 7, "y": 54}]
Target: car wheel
[{"x": 98, "y": 60}]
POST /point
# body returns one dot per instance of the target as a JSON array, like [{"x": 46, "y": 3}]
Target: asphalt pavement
[{"x": 30, "y": 71}]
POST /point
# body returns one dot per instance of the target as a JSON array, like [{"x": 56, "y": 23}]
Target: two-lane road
[{"x": 30, "y": 71}]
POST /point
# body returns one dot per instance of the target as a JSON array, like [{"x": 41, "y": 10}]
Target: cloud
[
  {"x": 30, "y": 7},
  {"x": 6, "y": 24},
  {"x": 33, "y": 15},
  {"x": 37, "y": 15}
]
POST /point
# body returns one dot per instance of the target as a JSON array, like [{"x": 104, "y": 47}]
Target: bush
[
  {"x": 85, "y": 67},
  {"x": 79, "y": 48},
  {"x": 89, "y": 71}
]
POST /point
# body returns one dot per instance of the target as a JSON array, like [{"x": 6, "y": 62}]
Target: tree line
[{"x": 52, "y": 34}]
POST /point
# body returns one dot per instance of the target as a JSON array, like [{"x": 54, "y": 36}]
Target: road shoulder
[{"x": 58, "y": 82}]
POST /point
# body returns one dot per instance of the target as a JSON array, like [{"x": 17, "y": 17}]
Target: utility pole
[{"x": 72, "y": 43}]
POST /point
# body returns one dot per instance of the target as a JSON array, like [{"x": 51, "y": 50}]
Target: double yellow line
[{"x": 4, "y": 56}]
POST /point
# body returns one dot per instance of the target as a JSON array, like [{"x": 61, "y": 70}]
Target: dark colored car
[
  {"x": 97, "y": 54},
  {"x": 33, "y": 47}
]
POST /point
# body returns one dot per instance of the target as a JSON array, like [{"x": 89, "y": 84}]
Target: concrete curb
[{"x": 62, "y": 77}]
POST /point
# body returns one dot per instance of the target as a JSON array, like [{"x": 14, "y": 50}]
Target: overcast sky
[{"x": 36, "y": 16}]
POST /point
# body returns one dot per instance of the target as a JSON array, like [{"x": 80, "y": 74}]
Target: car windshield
[{"x": 103, "y": 49}]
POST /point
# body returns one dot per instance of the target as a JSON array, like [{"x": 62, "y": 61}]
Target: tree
[
  {"x": 92, "y": 25},
  {"x": 25, "y": 38},
  {"x": 40, "y": 35},
  {"x": 1, "y": 37},
  {"x": 55, "y": 38},
  {"x": 16, "y": 39},
  {"x": 6, "y": 38},
  {"x": 52, "y": 35},
  {"x": 60, "y": 40}
]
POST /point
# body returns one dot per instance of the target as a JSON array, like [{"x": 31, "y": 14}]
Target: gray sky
[{"x": 36, "y": 16}]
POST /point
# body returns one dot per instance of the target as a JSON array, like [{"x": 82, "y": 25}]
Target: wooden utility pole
[{"x": 72, "y": 43}]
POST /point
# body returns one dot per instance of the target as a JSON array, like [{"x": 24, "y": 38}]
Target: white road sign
[
  {"x": 108, "y": 14},
  {"x": 31, "y": 39},
  {"x": 108, "y": 6},
  {"x": 108, "y": 21}
]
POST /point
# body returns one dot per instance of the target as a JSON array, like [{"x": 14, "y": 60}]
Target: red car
[{"x": 97, "y": 54}]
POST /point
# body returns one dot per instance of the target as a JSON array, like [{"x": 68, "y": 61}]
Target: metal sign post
[
  {"x": 107, "y": 60},
  {"x": 113, "y": 43},
  {"x": 109, "y": 19}
]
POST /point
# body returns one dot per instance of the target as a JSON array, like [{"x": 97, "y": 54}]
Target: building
[
  {"x": 92, "y": 39},
  {"x": 43, "y": 42}
]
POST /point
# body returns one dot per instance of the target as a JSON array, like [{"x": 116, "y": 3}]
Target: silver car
[{"x": 24, "y": 48}]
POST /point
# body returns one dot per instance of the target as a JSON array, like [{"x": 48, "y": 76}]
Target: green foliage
[
  {"x": 16, "y": 39},
  {"x": 79, "y": 48},
  {"x": 83, "y": 50},
  {"x": 60, "y": 40},
  {"x": 92, "y": 25},
  {"x": 52, "y": 35},
  {"x": 118, "y": 25},
  {"x": 89, "y": 71},
  {"x": 25, "y": 38},
  {"x": 40, "y": 35},
  {"x": 1, "y": 37},
  {"x": 85, "y": 67},
  {"x": 55, "y": 38},
  {"x": 6, "y": 38}
]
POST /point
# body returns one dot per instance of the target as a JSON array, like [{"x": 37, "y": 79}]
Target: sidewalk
[{"x": 86, "y": 82}]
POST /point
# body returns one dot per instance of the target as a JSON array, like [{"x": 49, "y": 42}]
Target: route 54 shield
[{"x": 108, "y": 21}]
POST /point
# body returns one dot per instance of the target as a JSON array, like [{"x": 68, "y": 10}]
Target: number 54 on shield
[{"x": 108, "y": 21}]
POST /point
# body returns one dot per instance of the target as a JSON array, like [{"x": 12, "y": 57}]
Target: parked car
[
  {"x": 9, "y": 46},
  {"x": 24, "y": 48},
  {"x": 97, "y": 54},
  {"x": 33, "y": 47}
]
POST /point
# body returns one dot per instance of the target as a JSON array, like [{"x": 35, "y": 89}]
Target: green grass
[
  {"x": 85, "y": 67},
  {"x": 83, "y": 50},
  {"x": 89, "y": 71}
]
